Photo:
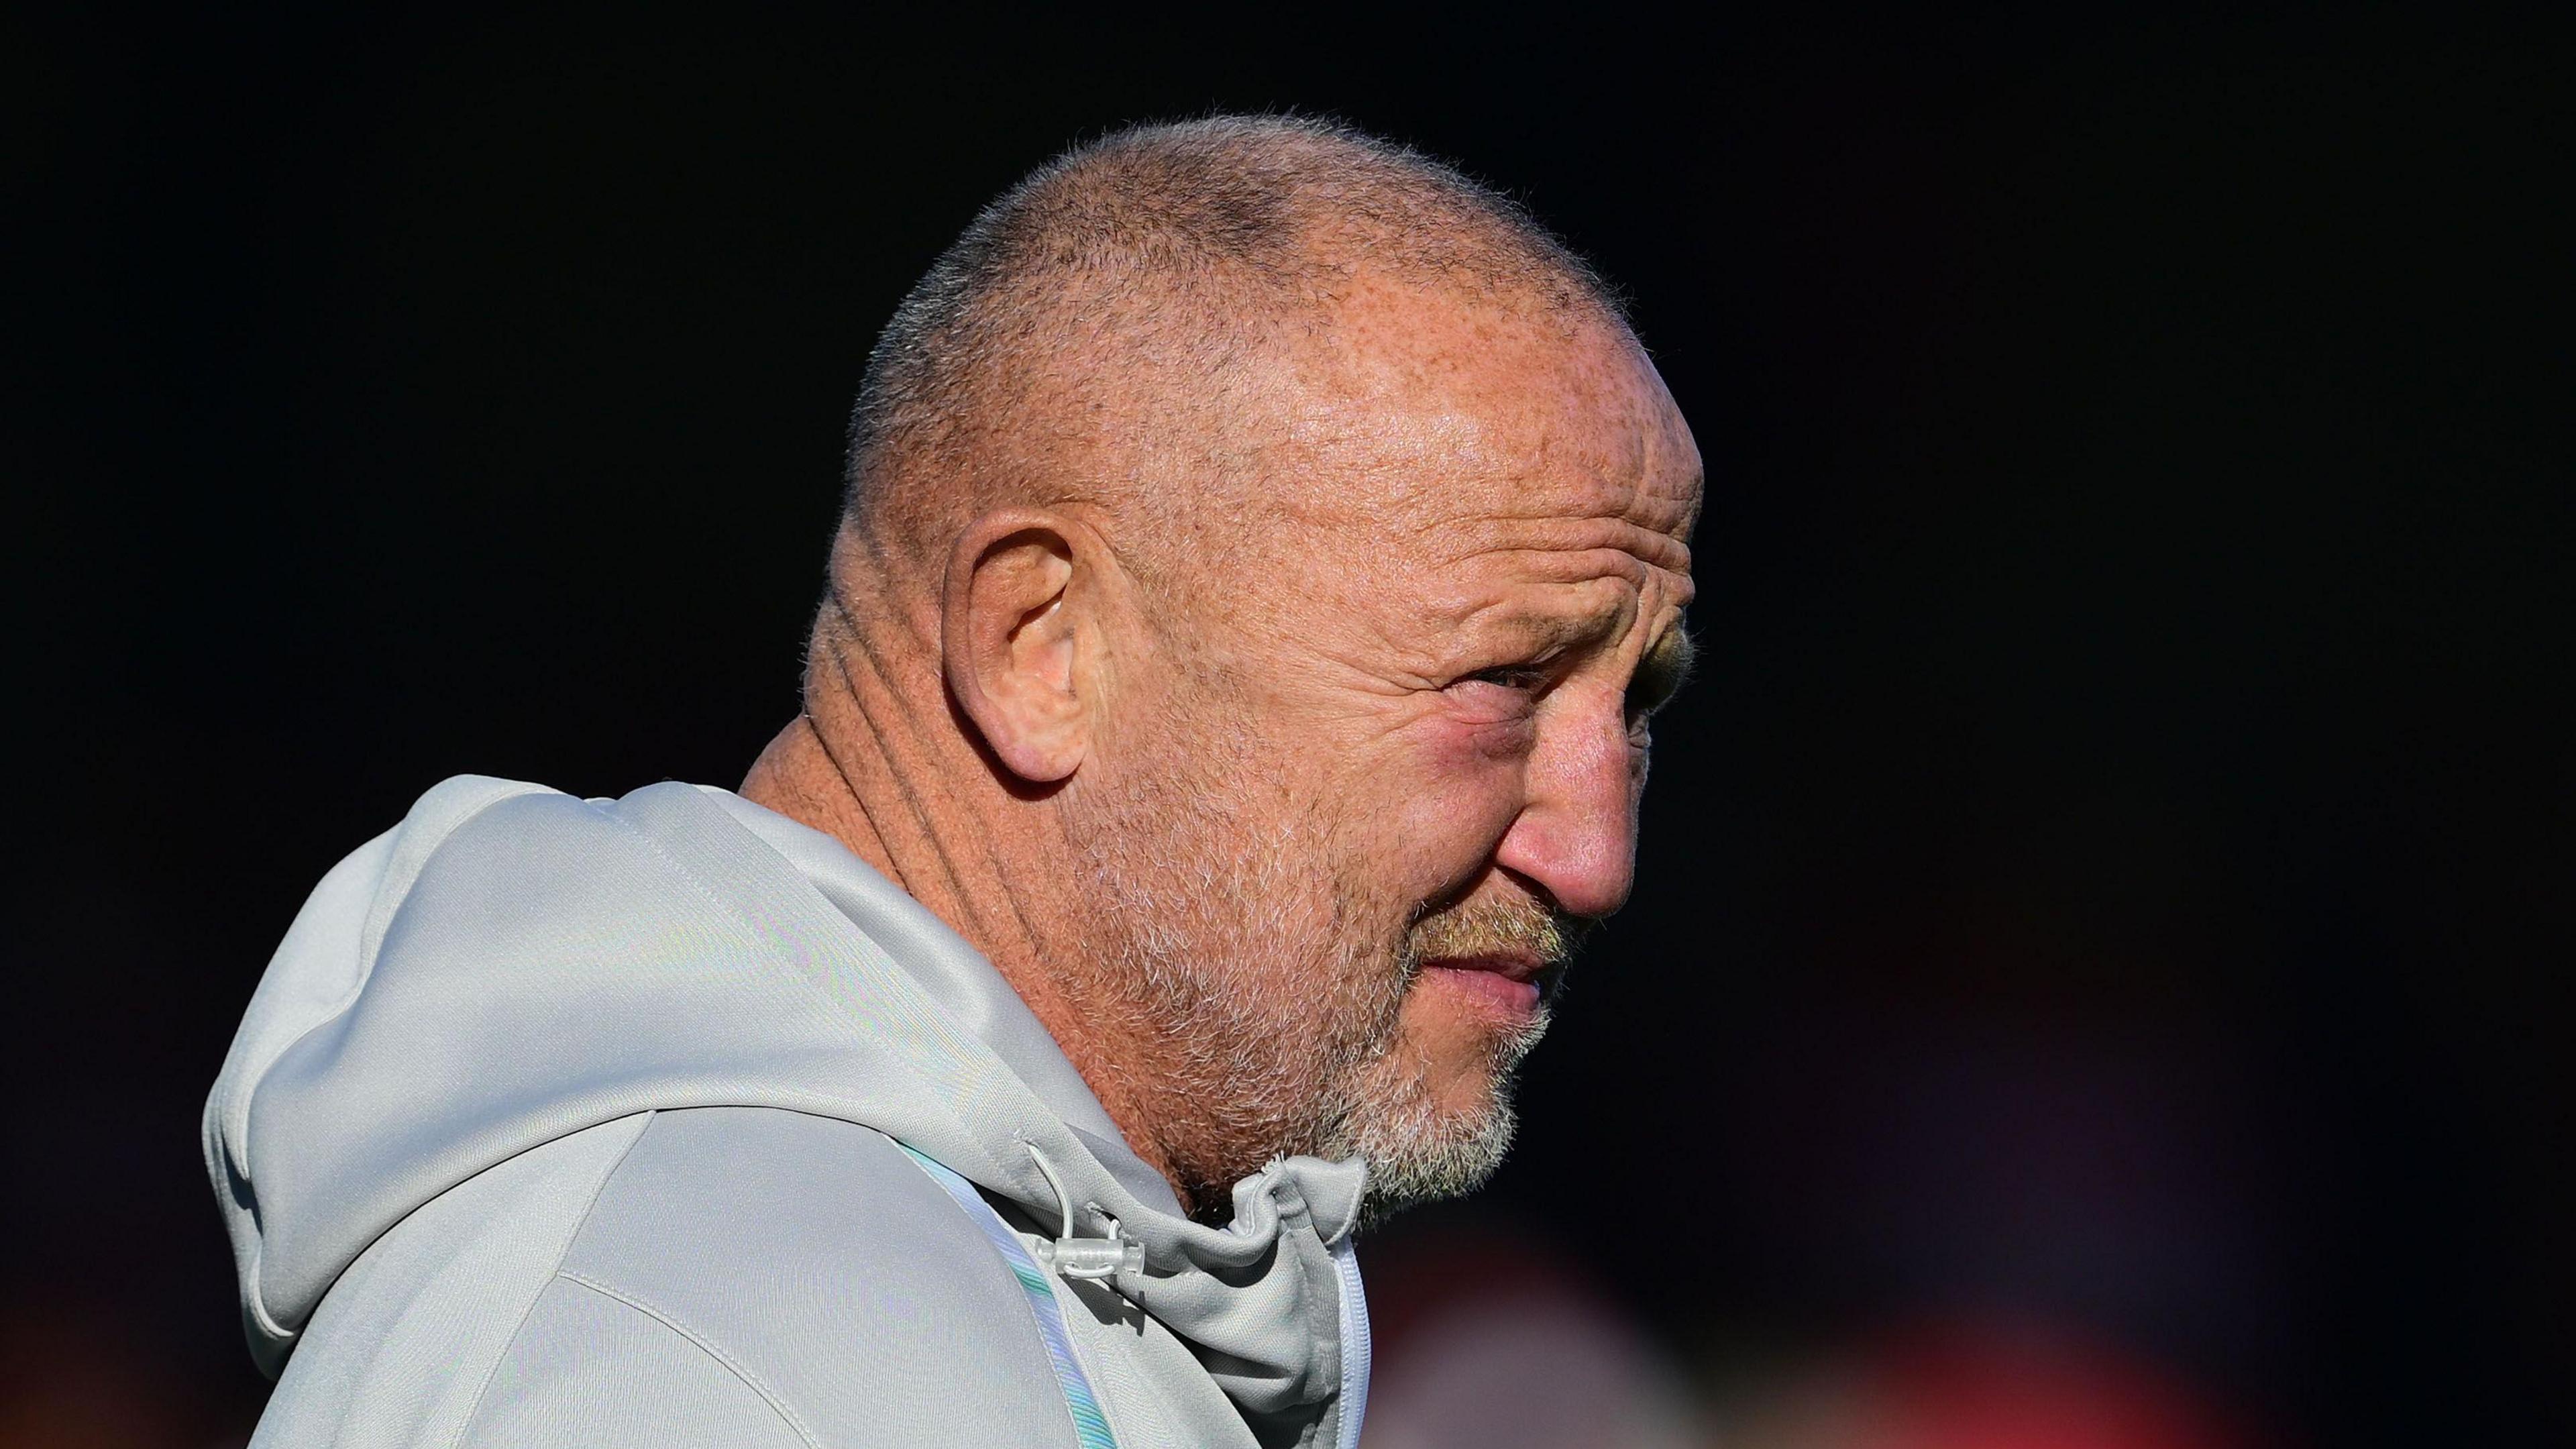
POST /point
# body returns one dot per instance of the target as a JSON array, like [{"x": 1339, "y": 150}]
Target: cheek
[{"x": 1446, "y": 795}]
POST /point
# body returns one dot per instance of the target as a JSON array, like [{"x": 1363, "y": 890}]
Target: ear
[{"x": 1013, "y": 635}]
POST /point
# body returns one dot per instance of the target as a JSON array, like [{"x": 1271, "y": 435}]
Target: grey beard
[
  {"x": 1348, "y": 1095},
  {"x": 1197, "y": 933},
  {"x": 1415, "y": 1153},
  {"x": 1199, "y": 924}
]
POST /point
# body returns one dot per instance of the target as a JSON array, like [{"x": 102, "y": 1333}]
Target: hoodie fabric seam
[
  {"x": 702, "y": 1344},
  {"x": 554, "y": 1270}
]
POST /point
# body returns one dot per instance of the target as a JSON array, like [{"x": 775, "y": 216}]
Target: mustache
[{"x": 1487, "y": 927}]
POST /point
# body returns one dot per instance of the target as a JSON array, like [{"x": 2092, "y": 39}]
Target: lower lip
[{"x": 1501, "y": 993}]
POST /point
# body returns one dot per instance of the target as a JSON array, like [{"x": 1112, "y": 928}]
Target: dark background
[{"x": 2110, "y": 873}]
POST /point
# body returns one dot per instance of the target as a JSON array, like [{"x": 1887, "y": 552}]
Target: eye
[{"x": 1505, "y": 692}]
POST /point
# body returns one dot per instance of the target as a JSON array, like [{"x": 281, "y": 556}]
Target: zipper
[{"x": 1355, "y": 1345}]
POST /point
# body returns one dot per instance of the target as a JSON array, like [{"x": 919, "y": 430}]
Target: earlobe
[{"x": 1011, "y": 638}]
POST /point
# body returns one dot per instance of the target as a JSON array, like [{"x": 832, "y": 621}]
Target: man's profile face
[{"x": 1399, "y": 755}]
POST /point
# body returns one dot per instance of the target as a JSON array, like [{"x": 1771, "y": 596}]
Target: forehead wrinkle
[
  {"x": 1429, "y": 497},
  {"x": 1531, "y": 622},
  {"x": 1543, "y": 535},
  {"x": 1671, "y": 476},
  {"x": 1559, "y": 614},
  {"x": 1574, "y": 495}
]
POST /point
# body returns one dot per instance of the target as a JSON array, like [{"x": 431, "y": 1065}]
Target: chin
[
  {"x": 1426, "y": 1140},
  {"x": 1447, "y": 1158}
]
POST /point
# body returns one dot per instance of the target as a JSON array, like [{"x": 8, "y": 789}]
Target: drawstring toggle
[{"x": 1093, "y": 1259}]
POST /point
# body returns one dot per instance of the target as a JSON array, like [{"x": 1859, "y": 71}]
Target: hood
[{"x": 512, "y": 965}]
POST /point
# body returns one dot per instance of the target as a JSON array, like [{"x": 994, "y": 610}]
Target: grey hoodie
[{"x": 652, "y": 1121}]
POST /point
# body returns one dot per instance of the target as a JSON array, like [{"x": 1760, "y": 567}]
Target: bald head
[{"x": 1106, "y": 332}]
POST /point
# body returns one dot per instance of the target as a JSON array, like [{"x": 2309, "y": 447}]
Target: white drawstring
[{"x": 1090, "y": 1258}]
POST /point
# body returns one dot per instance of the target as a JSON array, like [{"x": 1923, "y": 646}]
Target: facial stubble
[{"x": 1271, "y": 985}]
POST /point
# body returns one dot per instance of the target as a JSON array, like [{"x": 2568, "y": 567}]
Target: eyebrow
[
  {"x": 1553, "y": 633},
  {"x": 1662, "y": 670}
]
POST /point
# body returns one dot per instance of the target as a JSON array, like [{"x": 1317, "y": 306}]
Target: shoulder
[{"x": 819, "y": 1279}]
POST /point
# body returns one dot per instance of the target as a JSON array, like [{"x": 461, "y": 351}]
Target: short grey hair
[{"x": 1174, "y": 244}]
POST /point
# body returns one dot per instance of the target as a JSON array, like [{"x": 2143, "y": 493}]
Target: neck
[{"x": 900, "y": 785}]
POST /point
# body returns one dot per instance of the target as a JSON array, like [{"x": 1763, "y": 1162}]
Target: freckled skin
[{"x": 1479, "y": 489}]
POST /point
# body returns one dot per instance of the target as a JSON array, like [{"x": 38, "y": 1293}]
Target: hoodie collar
[
  {"x": 512, "y": 965},
  {"x": 958, "y": 979},
  {"x": 1230, "y": 1291}
]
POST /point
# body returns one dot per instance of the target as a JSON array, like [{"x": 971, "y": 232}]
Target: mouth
[{"x": 1511, "y": 983}]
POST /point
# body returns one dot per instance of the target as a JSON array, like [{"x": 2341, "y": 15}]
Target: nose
[{"x": 1576, "y": 835}]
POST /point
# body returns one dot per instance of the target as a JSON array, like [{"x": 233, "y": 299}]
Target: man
[{"x": 1263, "y": 550}]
